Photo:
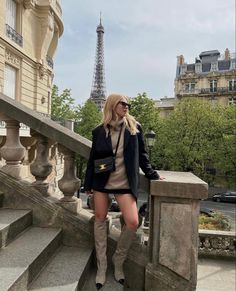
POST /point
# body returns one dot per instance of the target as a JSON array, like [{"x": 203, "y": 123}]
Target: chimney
[
  {"x": 180, "y": 60},
  {"x": 227, "y": 54}
]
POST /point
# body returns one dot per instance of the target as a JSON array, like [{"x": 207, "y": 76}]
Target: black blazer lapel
[
  {"x": 108, "y": 140},
  {"x": 126, "y": 137}
]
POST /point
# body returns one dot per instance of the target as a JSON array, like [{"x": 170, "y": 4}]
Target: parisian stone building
[
  {"x": 212, "y": 76},
  {"x": 29, "y": 33}
]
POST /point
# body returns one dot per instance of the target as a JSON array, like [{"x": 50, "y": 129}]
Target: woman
[{"x": 119, "y": 136}]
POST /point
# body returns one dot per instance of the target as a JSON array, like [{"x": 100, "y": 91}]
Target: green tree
[
  {"x": 201, "y": 138},
  {"x": 188, "y": 138},
  {"x": 225, "y": 158},
  {"x": 62, "y": 105},
  {"x": 87, "y": 118},
  {"x": 145, "y": 112}
]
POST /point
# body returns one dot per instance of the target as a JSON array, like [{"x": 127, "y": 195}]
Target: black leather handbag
[
  {"x": 104, "y": 165},
  {"x": 107, "y": 164}
]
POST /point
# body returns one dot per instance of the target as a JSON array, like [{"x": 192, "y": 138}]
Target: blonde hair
[{"x": 109, "y": 113}]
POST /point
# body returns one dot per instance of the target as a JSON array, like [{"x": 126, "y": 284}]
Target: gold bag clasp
[{"x": 102, "y": 166}]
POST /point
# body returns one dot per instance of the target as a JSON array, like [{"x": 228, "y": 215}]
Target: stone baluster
[
  {"x": 12, "y": 151},
  {"x": 173, "y": 240},
  {"x": 41, "y": 168},
  {"x": 69, "y": 183}
]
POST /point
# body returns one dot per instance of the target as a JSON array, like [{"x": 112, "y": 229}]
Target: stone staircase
[{"x": 35, "y": 258}]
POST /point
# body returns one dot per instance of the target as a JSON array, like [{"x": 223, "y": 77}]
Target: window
[
  {"x": 190, "y": 87},
  {"x": 232, "y": 100},
  {"x": 11, "y": 13},
  {"x": 232, "y": 85},
  {"x": 10, "y": 81},
  {"x": 214, "y": 66},
  {"x": 213, "y": 86},
  {"x": 13, "y": 22},
  {"x": 233, "y": 64}
]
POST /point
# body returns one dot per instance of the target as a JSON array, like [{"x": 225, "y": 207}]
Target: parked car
[
  {"x": 228, "y": 196},
  {"x": 206, "y": 211}
]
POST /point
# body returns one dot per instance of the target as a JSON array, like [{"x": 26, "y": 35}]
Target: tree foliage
[
  {"x": 143, "y": 109},
  {"x": 63, "y": 105},
  {"x": 88, "y": 117},
  {"x": 200, "y": 138}
]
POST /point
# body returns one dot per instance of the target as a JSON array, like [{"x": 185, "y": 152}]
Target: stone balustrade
[
  {"x": 217, "y": 243},
  {"x": 44, "y": 134}
]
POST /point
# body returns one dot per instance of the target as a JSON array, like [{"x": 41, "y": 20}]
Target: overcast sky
[{"x": 141, "y": 41}]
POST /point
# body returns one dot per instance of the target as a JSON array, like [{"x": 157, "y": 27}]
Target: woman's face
[{"x": 122, "y": 107}]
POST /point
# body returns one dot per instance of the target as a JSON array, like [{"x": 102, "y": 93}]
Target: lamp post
[{"x": 150, "y": 140}]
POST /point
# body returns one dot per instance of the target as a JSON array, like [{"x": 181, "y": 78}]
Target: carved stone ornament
[
  {"x": 29, "y": 4},
  {"x": 41, "y": 70},
  {"x": 12, "y": 59}
]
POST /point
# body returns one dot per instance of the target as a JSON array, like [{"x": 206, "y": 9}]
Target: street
[{"x": 228, "y": 209}]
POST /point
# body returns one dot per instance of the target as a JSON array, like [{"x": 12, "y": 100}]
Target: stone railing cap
[{"x": 179, "y": 185}]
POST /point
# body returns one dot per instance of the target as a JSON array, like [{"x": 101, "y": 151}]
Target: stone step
[
  {"x": 66, "y": 271},
  {"x": 110, "y": 285},
  {"x": 22, "y": 259},
  {"x": 13, "y": 222}
]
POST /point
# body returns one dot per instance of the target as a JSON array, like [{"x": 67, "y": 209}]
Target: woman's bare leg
[
  {"x": 128, "y": 207},
  {"x": 101, "y": 206},
  {"x": 129, "y": 210},
  {"x": 100, "y": 236}
]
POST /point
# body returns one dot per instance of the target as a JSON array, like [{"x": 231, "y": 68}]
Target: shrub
[{"x": 218, "y": 221}]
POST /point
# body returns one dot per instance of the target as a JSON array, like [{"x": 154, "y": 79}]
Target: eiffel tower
[{"x": 98, "y": 91}]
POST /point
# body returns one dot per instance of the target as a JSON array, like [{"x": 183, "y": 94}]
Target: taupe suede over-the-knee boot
[
  {"x": 126, "y": 238},
  {"x": 100, "y": 237}
]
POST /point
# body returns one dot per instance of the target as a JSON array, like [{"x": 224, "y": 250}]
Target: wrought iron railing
[
  {"x": 217, "y": 90},
  {"x": 49, "y": 61},
  {"x": 208, "y": 90},
  {"x": 13, "y": 35}
]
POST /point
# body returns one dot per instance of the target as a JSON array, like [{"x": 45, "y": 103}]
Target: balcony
[
  {"x": 49, "y": 61},
  {"x": 13, "y": 35},
  {"x": 217, "y": 90}
]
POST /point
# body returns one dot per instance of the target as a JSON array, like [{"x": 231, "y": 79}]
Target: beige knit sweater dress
[{"x": 118, "y": 181}]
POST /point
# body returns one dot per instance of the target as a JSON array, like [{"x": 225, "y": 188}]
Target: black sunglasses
[{"x": 124, "y": 104}]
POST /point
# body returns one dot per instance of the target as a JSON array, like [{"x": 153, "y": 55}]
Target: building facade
[
  {"x": 165, "y": 105},
  {"x": 29, "y": 33},
  {"x": 212, "y": 76}
]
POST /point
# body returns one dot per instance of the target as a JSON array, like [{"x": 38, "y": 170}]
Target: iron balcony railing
[
  {"x": 13, "y": 35},
  {"x": 49, "y": 61},
  {"x": 209, "y": 90},
  {"x": 217, "y": 90}
]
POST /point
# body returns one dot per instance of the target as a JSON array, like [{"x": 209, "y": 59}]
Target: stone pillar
[
  {"x": 13, "y": 152},
  {"x": 69, "y": 183},
  {"x": 41, "y": 167},
  {"x": 173, "y": 240},
  {"x": 69, "y": 123}
]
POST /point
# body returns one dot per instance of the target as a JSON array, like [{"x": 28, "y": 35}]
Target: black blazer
[{"x": 135, "y": 156}]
